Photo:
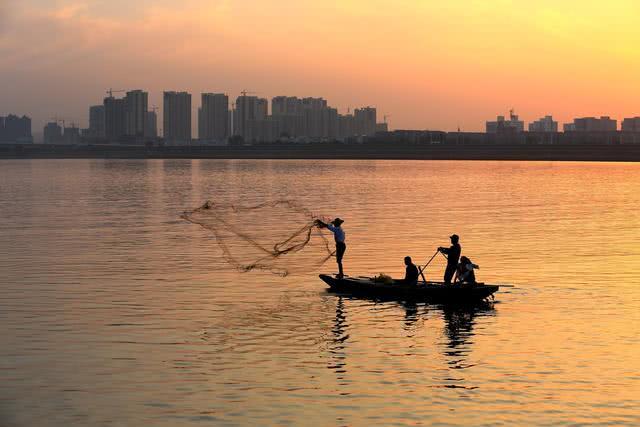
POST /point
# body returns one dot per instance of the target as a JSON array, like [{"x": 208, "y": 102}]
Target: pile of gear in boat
[{"x": 459, "y": 270}]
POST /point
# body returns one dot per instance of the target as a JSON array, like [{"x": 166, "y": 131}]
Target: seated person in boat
[
  {"x": 464, "y": 272},
  {"x": 411, "y": 274}
]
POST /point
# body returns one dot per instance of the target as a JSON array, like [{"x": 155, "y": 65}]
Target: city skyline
[
  {"x": 136, "y": 118},
  {"x": 289, "y": 118},
  {"x": 427, "y": 65}
]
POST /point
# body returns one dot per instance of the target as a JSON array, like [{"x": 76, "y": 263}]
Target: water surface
[{"x": 116, "y": 312}]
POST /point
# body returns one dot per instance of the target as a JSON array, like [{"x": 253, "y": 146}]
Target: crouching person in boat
[
  {"x": 465, "y": 273},
  {"x": 411, "y": 273},
  {"x": 339, "y": 236}
]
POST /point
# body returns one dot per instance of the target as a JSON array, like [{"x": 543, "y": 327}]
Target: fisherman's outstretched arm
[{"x": 330, "y": 227}]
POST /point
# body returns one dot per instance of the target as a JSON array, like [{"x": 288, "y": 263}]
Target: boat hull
[{"x": 432, "y": 291}]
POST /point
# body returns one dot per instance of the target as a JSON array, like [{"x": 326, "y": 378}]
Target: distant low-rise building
[
  {"x": 466, "y": 138},
  {"x": 630, "y": 131},
  {"x": 631, "y": 124},
  {"x": 514, "y": 124},
  {"x": 592, "y": 130},
  {"x": 545, "y": 124},
  {"x": 592, "y": 124},
  {"x": 409, "y": 137},
  {"x": 382, "y": 127}
]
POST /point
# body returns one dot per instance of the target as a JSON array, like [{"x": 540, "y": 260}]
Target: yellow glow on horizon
[{"x": 430, "y": 63}]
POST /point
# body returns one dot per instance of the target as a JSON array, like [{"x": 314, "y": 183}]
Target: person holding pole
[{"x": 452, "y": 254}]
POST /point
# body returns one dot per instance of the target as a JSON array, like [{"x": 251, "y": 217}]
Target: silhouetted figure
[
  {"x": 464, "y": 272},
  {"x": 411, "y": 273},
  {"x": 339, "y": 236},
  {"x": 453, "y": 255}
]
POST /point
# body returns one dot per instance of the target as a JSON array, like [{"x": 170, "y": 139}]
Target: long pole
[{"x": 426, "y": 265}]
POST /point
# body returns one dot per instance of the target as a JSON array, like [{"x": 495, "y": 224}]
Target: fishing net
[{"x": 280, "y": 237}]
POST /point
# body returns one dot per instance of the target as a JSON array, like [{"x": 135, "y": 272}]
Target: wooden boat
[{"x": 429, "y": 291}]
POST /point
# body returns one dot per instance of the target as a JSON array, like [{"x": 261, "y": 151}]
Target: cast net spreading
[{"x": 280, "y": 237}]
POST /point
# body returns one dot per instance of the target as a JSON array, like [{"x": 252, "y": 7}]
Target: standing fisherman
[
  {"x": 453, "y": 255},
  {"x": 338, "y": 233}
]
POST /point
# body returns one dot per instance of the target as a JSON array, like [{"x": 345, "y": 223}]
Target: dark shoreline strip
[{"x": 608, "y": 153}]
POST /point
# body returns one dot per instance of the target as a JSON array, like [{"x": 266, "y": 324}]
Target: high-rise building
[
  {"x": 151, "y": 125},
  {"x": 249, "y": 111},
  {"x": 14, "y": 129},
  {"x": 365, "y": 121},
  {"x": 71, "y": 135},
  {"x": 114, "y": 118},
  {"x": 313, "y": 110},
  {"x": 346, "y": 126},
  {"x": 52, "y": 133},
  {"x": 514, "y": 124},
  {"x": 96, "y": 121},
  {"x": 177, "y": 117},
  {"x": 287, "y": 111},
  {"x": 330, "y": 123},
  {"x": 213, "y": 117},
  {"x": 136, "y": 102},
  {"x": 545, "y": 124}
]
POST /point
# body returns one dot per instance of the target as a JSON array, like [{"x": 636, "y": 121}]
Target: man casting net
[{"x": 280, "y": 237}]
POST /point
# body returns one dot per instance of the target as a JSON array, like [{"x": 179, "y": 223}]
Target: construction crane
[
  {"x": 245, "y": 93},
  {"x": 57, "y": 119},
  {"x": 110, "y": 92}
]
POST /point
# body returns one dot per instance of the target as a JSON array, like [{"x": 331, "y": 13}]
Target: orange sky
[{"x": 427, "y": 64}]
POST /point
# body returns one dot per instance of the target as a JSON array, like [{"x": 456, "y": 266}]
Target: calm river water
[{"x": 116, "y": 312}]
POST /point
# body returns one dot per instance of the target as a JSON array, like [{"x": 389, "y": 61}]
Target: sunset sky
[{"x": 428, "y": 64}]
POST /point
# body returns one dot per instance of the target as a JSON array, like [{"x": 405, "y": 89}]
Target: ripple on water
[{"x": 115, "y": 312}]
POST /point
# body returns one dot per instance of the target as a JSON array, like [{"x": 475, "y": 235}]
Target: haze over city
[{"x": 426, "y": 64}]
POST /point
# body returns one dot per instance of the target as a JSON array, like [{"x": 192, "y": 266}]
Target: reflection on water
[
  {"x": 116, "y": 312},
  {"x": 457, "y": 329},
  {"x": 338, "y": 361}
]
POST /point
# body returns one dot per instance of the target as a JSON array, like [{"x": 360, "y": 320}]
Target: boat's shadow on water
[{"x": 459, "y": 321}]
